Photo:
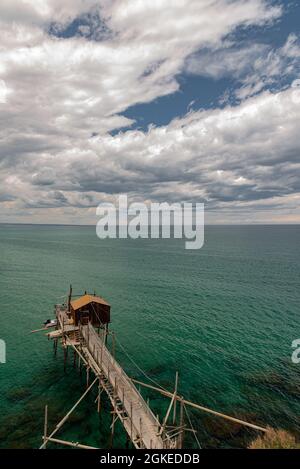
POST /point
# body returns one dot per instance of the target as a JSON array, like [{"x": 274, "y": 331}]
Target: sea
[{"x": 224, "y": 317}]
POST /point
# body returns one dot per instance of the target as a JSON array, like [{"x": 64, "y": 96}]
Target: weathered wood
[
  {"x": 65, "y": 418},
  {"x": 46, "y": 425},
  {"x": 181, "y": 424},
  {"x": 120, "y": 388},
  {"x": 70, "y": 443},
  {"x": 205, "y": 409},
  {"x": 175, "y": 401},
  {"x": 142, "y": 426}
]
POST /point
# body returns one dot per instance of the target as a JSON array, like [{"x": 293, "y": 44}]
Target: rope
[
  {"x": 139, "y": 368},
  {"x": 190, "y": 422}
]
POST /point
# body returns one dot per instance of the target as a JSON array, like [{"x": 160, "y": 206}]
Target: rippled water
[{"x": 224, "y": 317}]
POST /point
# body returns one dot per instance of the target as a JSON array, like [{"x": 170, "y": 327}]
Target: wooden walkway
[
  {"x": 141, "y": 425},
  {"x": 128, "y": 405}
]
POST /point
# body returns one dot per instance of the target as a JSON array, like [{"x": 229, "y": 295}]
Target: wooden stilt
[
  {"x": 65, "y": 359},
  {"x": 175, "y": 401},
  {"x": 131, "y": 422},
  {"x": 74, "y": 358},
  {"x": 106, "y": 333},
  {"x": 45, "y": 426},
  {"x": 114, "y": 416},
  {"x": 87, "y": 376},
  {"x": 141, "y": 432},
  {"x": 99, "y": 398},
  {"x": 55, "y": 347},
  {"x": 111, "y": 444},
  {"x": 113, "y": 346},
  {"x": 181, "y": 434}
]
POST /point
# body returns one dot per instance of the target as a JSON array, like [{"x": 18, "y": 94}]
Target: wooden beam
[
  {"x": 70, "y": 443},
  {"x": 45, "y": 424},
  {"x": 175, "y": 402},
  {"x": 77, "y": 351},
  {"x": 62, "y": 421},
  {"x": 204, "y": 409}
]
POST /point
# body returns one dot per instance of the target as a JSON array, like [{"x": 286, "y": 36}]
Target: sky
[{"x": 165, "y": 101}]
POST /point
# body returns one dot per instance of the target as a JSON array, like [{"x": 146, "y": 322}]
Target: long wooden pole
[
  {"x": 199, "y": 407},
  {"x": 46, "y": 425},
  {"x": 70, "y": 443},
  {"x": 60, "y": 424},
  {"x": 181, "y": 436},
  {"x": 175, "y": 402}
]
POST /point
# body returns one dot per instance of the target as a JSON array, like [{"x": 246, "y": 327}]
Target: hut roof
[{"x": 87, "y": 299}]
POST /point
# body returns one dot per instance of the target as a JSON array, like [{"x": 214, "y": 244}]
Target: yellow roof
[{"x": 87, "y": 299}]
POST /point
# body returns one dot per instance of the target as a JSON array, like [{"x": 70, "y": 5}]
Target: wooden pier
[{"x": 89, "y": 343}]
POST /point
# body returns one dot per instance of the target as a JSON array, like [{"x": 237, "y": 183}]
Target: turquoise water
[{"x": 224, "y": 317}]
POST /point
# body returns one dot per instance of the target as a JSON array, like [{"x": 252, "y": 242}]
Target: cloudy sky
[{"x": 182, "y": 100}]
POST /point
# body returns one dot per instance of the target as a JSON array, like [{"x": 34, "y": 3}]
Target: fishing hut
[
  {"x": 81, "y": 325},
  {"x": 89, "y": 309}
]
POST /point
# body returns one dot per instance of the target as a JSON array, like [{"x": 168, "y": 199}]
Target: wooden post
[
  {"x": 46, "y": 426},
  {"x": 101, "y": 354},
  {"x": 106, "y": 333},
  {"x": 99, "y": 397},
  {"x": 158, "y": 426},
  {"x": 65, "y": 359},
  {"x": 131, "y": 423},
  {"x": 112, "y": 431},
  {"x": 175, "y": 401},
  {"x": 181, "y": 424},
  {"x": 70, "y": 298},
  {"x": 87, "y": 376},
  {"x": 55, "y": 347},
  {"x": 74, "y": 359},
  {"x": 141, "y": 433},
  {"x": 113, "y": 346},
  {"x": 114, "y": 415}
]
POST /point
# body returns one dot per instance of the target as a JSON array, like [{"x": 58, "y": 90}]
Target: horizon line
[{"x": 94, "y": 225}]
